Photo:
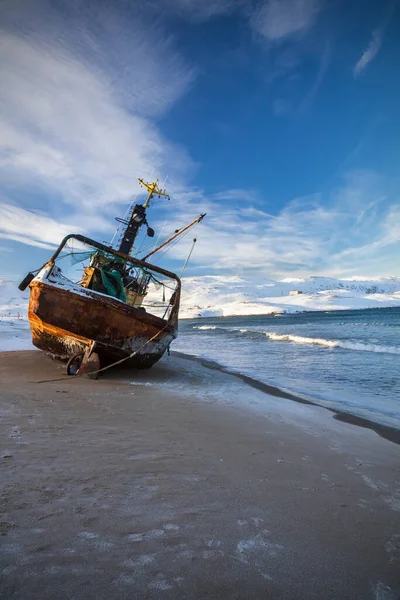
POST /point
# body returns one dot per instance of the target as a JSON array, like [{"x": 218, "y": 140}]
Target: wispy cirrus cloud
[
  {"x": 355, "y": 228},
  {"x": 278, "y": 20},
  {"x": 28, "y": 227},
  {"x": 241, "y": 195},
  {"x": 82, "y": 86},
  {"x": 375, "y": 43},
  {"x": 199, "y": 10},
  {"x": 284, "y": 25},
  {"x": 370, "y": 52}
]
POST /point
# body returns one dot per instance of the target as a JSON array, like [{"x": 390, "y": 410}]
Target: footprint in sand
[
  {"x": 384, "y": 592},
  {"x": 392, "y": 547},
  {"x": 15, "y": 433},
  {"x": 212, "y": 543},
  {"x": 258, "y": 545},
  {"x": 88, "y": 535},
  {"x": 5, "y": 527},
  {"x": 161, "y": 584},
  {"x": 252, "y": 521},
  {"x": 148, "y": 535},
  {"x": 171, "y": 527}
]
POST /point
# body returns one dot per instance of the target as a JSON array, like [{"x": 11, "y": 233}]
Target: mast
[{"x": 138, "y": 217}]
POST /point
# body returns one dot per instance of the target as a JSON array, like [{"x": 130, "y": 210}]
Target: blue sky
[{"x": 279, "y": 118}]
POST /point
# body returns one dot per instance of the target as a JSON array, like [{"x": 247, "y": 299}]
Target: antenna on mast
[{"x": 137, "y": 217}]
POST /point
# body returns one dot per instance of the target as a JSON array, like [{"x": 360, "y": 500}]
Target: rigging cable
[
  {"x": 163, "y": 251},
  {"x": 163, "y": 239},
  {"x": 188, "y": 258}
]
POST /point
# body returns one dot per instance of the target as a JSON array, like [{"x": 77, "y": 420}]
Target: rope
[
  {"x": 187, "y": 260},
  {"x": 118, "y": 362}
]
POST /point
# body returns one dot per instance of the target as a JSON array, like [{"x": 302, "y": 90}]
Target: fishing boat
[{"x": 111, "y": 307}]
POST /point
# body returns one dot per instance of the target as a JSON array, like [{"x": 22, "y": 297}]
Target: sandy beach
[{"x": 185, "y": 482}]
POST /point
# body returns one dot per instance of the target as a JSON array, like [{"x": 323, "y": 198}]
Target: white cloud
[
  {"x": 351, "y": 230},
  {"x": 200, "y": 10},
  {"x": 375, "y": 43},
  {"x": 80, "y": 90},
  {"x": 370, "y": 52},
  {"x": 120, "y": 43},
  {"x": 30, "y": 228},
  {"x": 277, "y": 20},
  {"x": 236, "y": 194}
]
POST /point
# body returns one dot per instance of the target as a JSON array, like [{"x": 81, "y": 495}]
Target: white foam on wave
[{"x": 297, "y": 339}]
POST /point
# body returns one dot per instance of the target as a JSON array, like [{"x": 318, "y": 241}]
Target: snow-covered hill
[{"x": 225, "y": 296}]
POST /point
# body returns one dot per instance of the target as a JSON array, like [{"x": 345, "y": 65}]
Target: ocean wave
[{"x": 296, "y": 339}]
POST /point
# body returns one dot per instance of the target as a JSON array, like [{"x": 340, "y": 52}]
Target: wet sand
[
  {"x": 387, "y": 432},
  {"x": 184, "y": 482}
]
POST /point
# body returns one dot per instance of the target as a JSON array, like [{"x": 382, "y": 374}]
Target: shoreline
[
  {"x": 387, "y": 432},
  {"x": 390, "y": 434}
]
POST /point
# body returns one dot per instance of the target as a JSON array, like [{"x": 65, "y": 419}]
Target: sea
[{"x": 348, "y": 361}]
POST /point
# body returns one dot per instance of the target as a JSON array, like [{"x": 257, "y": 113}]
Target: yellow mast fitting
[{"x": 153, "y": 190}]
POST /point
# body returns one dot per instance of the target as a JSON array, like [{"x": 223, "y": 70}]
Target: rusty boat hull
[
  {"x": 64, "y": 323},
  {"x": 68, "y": 319}
]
